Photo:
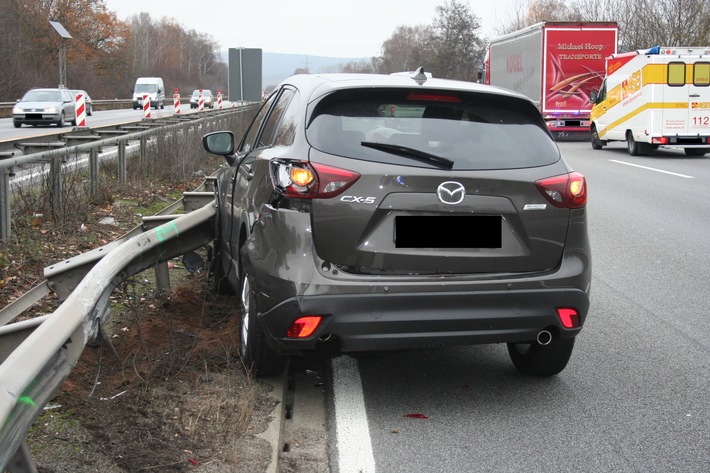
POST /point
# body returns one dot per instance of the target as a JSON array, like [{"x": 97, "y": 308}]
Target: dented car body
[{"x": 368, "y": 212}]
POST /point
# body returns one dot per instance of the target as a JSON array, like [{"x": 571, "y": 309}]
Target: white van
[
  {"x": 654, "y": 98},
  {"x": 151, "y": 86}
]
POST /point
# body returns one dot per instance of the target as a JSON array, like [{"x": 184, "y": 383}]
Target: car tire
[
  {"x": 17, "y": 124},
  {"x": 258, "y": 357},
  {"x": 60, "y": 122},
  {"x": 596, "y": 142},
  {"x": 635, "y": 148},
  {"x": 73, "y": 122},
  {"x": 694, "y": 152},
  {"x": 534, "y": 359},
  {"x": 89, "y": 111}
]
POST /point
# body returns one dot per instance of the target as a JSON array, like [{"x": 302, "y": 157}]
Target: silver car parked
[
  {"x": 44, "y": 107},
  {"x": 370, "y": 212}
]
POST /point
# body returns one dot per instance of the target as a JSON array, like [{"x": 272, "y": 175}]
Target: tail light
[
  {"x": 306, "y": 180},
  {"x": 565, "y": 191},
  {"x": 568, "y": 317},
  {"x": 304, "y": 326},
  {"x": 663, "y": 140}
]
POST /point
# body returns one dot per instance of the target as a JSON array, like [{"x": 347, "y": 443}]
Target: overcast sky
[{"x": 350, "y": 29}]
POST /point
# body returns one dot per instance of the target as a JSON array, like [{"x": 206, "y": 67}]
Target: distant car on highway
[
  {"x": 44, "y": 107},
  {"x": 87, "y": 100},
  {"x": 206, "y": 96}
]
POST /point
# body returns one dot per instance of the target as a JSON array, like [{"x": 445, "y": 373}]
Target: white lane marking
[
  {"x": 652, "y": 169},
  {"x": 352, "y": 431}
]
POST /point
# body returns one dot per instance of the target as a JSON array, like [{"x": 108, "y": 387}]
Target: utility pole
[{"x": 62, "y": 51}]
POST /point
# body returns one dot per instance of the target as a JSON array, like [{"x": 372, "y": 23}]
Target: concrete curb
[{"x": 274, "y": 431}]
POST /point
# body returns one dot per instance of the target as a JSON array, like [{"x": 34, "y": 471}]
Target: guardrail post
[
  {"x": 94, "y": 172},
  {"x": 122, "y": 162},
  {"x": 55, "y": 176},
  {"x": 4, "y": 205},
  {"x": 144, "y": 152},
  {"x": 22, "y": 461},
  {"x": 162, "y": 277}
]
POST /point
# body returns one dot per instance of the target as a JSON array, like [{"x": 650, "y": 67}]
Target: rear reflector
[
  {"x": 304, "y": 326},
  {"x": 568, "y": 317}
]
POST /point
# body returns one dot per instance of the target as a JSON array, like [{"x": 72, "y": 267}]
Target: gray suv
[{"x": 372, "y": 212}]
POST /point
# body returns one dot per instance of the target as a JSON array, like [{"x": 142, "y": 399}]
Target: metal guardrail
[
  {"x": 57, "y": 147},
  {"x": 103, "y": 104},
  {"x": 38, "y": 354}
]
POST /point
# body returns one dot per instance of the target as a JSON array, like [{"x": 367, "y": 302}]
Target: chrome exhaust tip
[{"x": 544, "y": 337}]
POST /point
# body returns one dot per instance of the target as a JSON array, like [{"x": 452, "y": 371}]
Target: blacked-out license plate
[{"x": 447, "y": 231}]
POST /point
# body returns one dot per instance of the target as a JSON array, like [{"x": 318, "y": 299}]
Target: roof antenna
[{"x": 419, "y": 76}]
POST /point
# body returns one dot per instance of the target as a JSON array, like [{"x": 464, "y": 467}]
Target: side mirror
[
  {"x": 593, "y": 96},
  {"x": 220, "y": 143}
]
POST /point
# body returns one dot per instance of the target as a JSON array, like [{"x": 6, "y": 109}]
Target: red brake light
[
  {"x": 311, "y": 180},
  {"x": 568, "y": 317},
  {"x": 565, "y": 191},
  {"x": 433, "y": 97},
  {"x": 304, "y": 326}
]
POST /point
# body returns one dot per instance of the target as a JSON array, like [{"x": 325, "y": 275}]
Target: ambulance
[{"x": 654, "y": 98}]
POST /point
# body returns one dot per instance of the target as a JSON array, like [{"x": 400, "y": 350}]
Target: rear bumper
[
  {"x": 377, "y": 312},
  {"x": 368, "y": 322}
]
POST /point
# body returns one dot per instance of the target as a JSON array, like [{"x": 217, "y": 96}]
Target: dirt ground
[{"x": 171, "y": 397}]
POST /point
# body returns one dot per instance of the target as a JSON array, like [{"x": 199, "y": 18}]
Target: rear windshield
[{"x": 465, "y": 130}]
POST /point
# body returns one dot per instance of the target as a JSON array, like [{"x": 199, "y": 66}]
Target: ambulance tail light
[{"x": 663, "y": 140}]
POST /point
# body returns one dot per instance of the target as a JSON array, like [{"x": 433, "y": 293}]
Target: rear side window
[
  {"x": 250, "y": 136},
  {"x": 676, "y": 73},
  {"x": 701, "y": 73},
  {"x": 471, "y": 131}
]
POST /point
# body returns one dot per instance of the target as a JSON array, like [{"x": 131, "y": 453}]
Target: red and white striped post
[
  {"x": 219, "y": 99},
  {"x": 146, "y": 106},
  {"x": 80, "y": 109},
  {"x": 176, "y": 101},
  {"x": 200, "y": 102}
]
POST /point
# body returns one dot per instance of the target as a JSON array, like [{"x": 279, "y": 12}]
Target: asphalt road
[{"x": 635, "y": 396}]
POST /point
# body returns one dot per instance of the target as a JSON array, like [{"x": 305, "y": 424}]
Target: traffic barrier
[
  {"x": 80, "y": 110},
  {"x": 219, "y": 100},
  {"x": 201, "y": 102},
  {"x": 176, "y": 102},
  {"x": 146, "y": 106}
]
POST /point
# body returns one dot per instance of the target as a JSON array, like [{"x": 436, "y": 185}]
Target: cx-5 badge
[{"x": 451, "y": 192}]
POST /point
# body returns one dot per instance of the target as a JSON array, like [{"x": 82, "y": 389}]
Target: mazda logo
[{"x": 451, "y": 192}]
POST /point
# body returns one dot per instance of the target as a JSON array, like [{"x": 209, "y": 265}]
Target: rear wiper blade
[{"x": 413, "y": 153}]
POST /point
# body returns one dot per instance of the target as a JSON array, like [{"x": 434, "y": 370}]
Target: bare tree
[
  {"x": 647, "y": 23},
  {"x": 408, "y": 48},
  {"x": 459, "y": 49},
  {"x": 449, "y": 48}
]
